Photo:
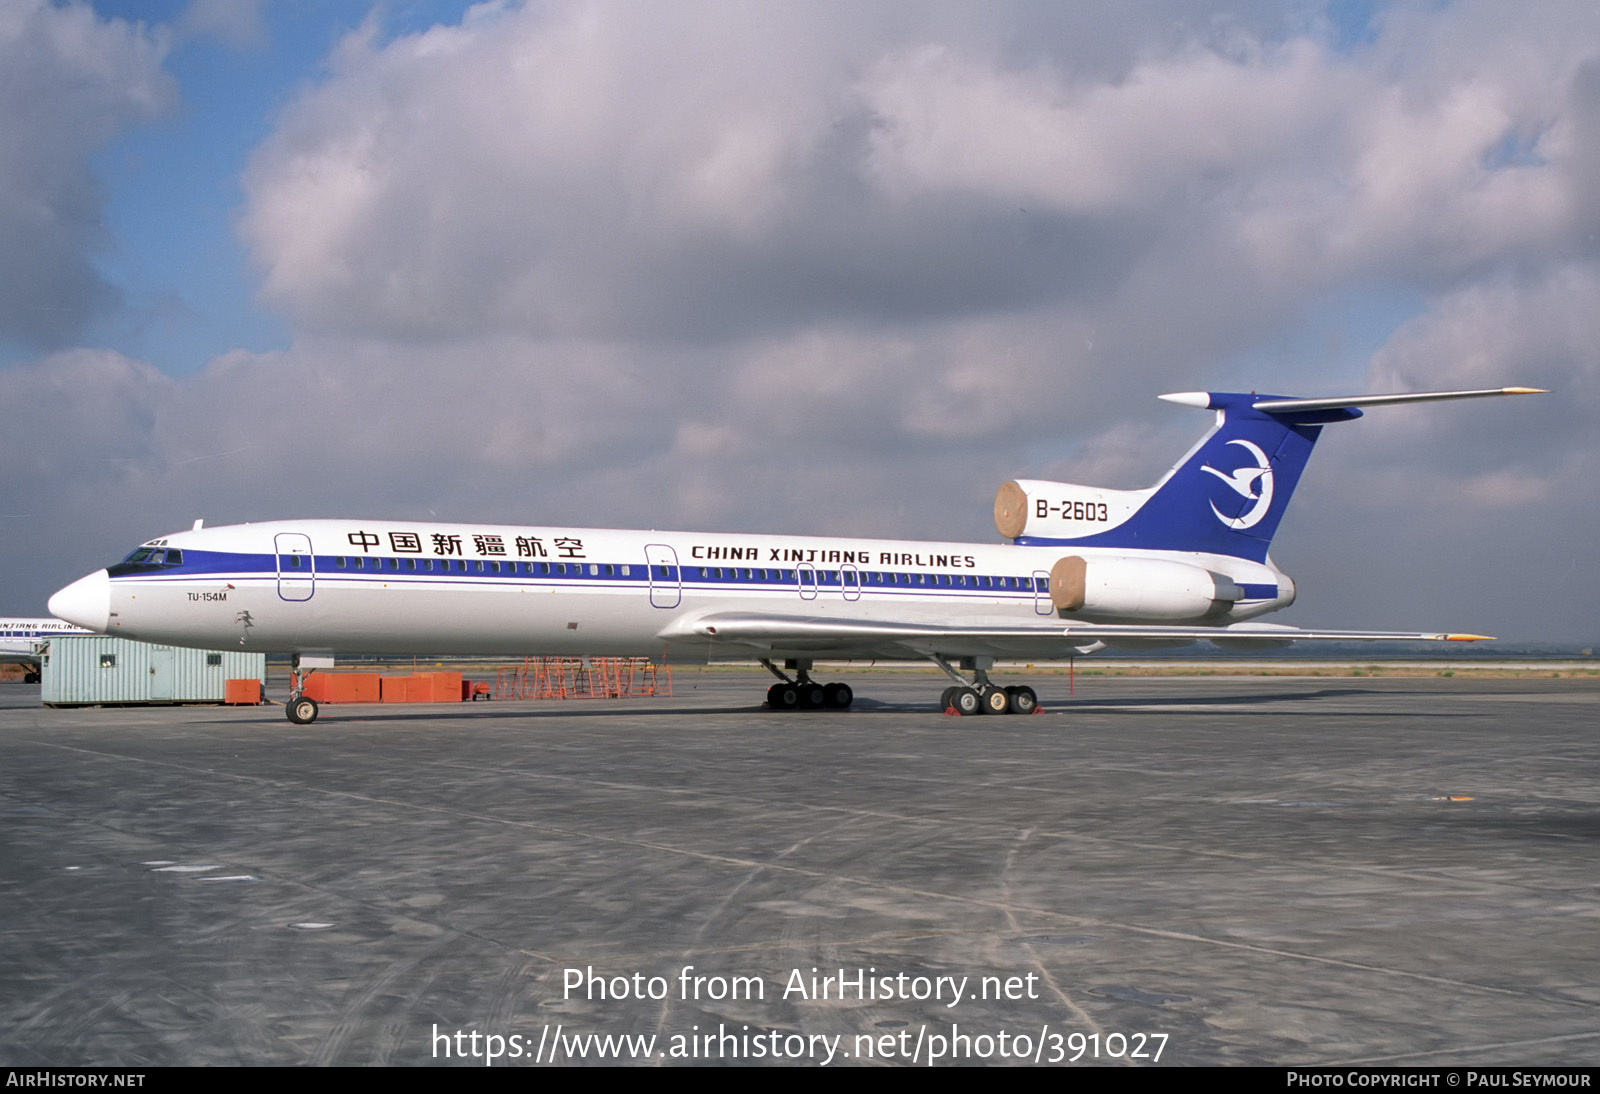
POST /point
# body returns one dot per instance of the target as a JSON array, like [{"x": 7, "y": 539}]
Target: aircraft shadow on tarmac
[
  {"x": 862, "y": 705},
  {"x": 1247, "y": 699}
]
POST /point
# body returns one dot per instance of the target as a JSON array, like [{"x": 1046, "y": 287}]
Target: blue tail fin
[{"x": 1226, "y": 496}]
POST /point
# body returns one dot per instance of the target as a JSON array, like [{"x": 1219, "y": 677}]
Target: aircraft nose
[{"x": 86, "y": 602}]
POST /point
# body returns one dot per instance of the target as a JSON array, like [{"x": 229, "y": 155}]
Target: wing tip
[{"x": 1467, "y": 637}]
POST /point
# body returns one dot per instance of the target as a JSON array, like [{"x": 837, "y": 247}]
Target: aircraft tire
[
  {"x": 967, "y": 702},
  {"x": 301, "y": 711},
  {"x": 812, "y": 697},
  {"x": 1023, "y": 700},
  {"x": 783, "y": 697},
  {"x": 996, "y": 701},
  {"x": 30, "y": 678},
  {"x": 947, "y": 698},
  {"x": 839, "y": 696}
]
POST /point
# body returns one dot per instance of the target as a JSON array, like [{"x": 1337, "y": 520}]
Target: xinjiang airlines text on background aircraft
[
  {"x": 1083, "y": 569},
  {"x": 21, "y": 639}
]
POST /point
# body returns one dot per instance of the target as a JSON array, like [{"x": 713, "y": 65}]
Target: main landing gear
[
  {"x": 802, "y": 693},
  {"x": 981, "y": 696}
]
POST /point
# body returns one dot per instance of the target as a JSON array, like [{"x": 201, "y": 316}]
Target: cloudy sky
[{"x": 809, "y": 267}]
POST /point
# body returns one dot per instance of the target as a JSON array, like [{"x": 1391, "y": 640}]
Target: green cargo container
[{"x": 90, "y": 671}]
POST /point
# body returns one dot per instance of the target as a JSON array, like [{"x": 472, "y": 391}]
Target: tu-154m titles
[{"x": 1081, "y": 569}]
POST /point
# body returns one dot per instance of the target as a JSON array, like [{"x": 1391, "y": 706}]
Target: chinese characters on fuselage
[{"x": 484, "y": 545}]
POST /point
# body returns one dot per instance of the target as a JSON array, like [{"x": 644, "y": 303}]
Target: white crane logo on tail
[{"x": 1253, "y": 483}]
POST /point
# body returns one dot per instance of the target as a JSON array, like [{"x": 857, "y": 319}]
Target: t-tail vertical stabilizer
[{"x": 1225, "y": 497}]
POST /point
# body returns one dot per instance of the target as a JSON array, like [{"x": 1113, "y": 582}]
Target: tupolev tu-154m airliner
[{"x": 1081, "y": 569}]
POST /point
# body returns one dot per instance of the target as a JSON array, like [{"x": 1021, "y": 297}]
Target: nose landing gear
[{"x": 300, "y": 709}]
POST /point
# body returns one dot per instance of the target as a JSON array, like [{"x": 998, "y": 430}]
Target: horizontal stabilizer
[
  {"x": 1205, "y": 400},
  {"x": 1279, "y": 406}
]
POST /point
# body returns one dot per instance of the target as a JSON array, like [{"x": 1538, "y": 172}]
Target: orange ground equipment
[{"x": 583, "y": 678}]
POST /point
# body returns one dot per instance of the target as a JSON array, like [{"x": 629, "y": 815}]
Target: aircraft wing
[{"x": 769, "y": 634}]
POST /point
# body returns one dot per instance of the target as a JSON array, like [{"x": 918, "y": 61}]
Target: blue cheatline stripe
[
  {"x": 223, "y": 565},
  {"x": 586, "y": 582}
]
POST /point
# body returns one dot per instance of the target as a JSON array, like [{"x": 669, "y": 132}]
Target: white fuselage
[{"x": 347, "y": 587}]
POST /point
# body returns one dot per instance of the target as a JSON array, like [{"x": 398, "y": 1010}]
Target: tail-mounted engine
[
  {"x": 1061, "y": 510},
  {"x": 1142, "y": 589}
]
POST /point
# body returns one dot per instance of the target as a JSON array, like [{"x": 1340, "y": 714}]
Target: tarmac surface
[{"x": 1209, "y": 870}]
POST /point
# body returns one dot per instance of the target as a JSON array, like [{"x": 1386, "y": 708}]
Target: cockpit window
[{"x": 144, "y": 560}]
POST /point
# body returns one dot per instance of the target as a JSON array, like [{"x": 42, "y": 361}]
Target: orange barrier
[
  {"x": 536, "y": 678},
  {"x": 371, "y": 687},
  {"x": 341, "y": 687},
  {"x": 241, "y": 693},
  {"x": 444, "y": 687}
]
